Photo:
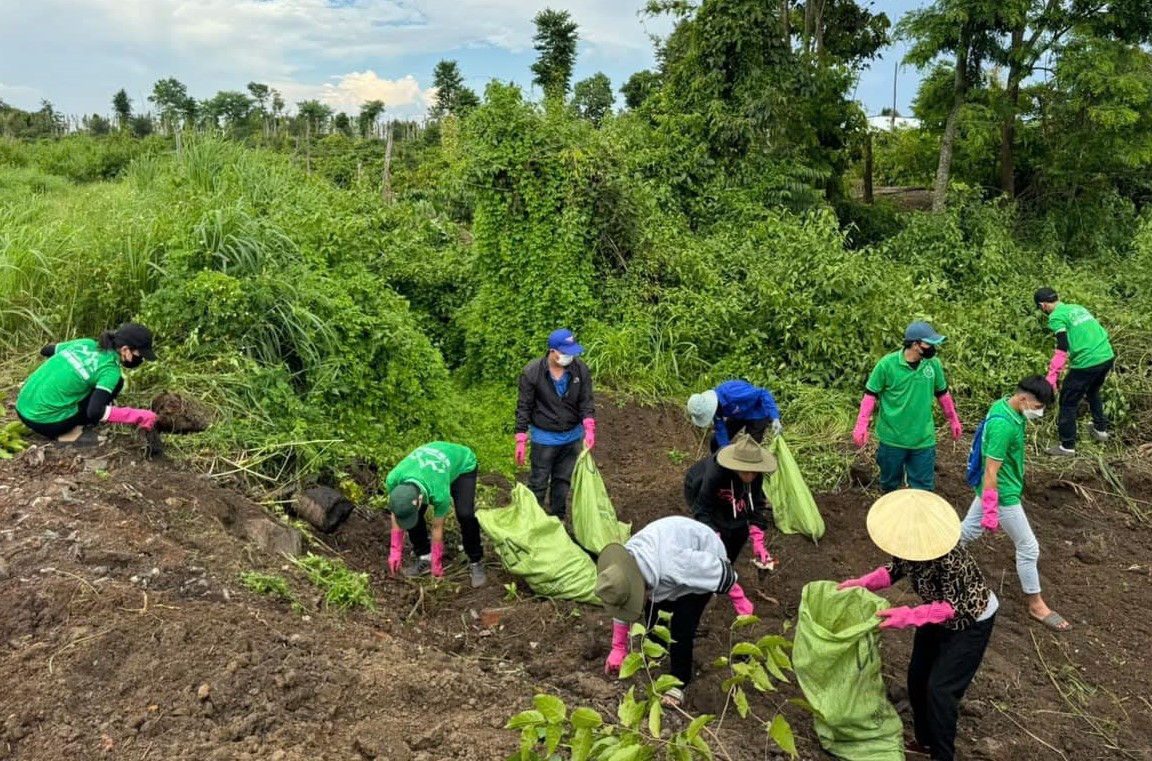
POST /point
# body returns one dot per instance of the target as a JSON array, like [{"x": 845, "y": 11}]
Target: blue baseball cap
[
  {"x": 564, "y": 342},
  {"x": 922, "y": 331}
]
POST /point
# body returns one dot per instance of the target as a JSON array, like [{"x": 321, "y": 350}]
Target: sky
[{"x": 78, "y": 53}]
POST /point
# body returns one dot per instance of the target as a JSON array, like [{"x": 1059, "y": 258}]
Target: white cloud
[
  {"x": 51, "y": 45},
  {"x": 347, "y": 92}
]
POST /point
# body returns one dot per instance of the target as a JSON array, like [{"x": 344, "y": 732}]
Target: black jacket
[
  {"x": 719, "y": 499},
  {"x": 539, "y": 405}
]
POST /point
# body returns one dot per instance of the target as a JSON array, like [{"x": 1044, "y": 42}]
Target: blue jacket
[{"x": 740, "y": 400}]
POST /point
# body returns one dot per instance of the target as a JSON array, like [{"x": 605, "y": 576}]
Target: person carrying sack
[
  {"x": 1083, "y": 346},
  {"x": 555, "y": 411},
  {"x": 439, "y": 475},
  {"x": 725, "y": 492},
  {"x": 673, "y": 564},
  {"x": 77, "y": 384},
  {"x": 903, "y": 385},
  {"x": 921, "y": 532},
  {"x": 735, "y": 406}
]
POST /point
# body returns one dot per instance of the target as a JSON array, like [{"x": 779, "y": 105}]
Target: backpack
[{"x": 975, "y": 470}]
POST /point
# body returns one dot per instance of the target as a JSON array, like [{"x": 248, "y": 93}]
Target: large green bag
[
  {"x": 837, "y": 662},
  {"x": 794, "y": 510},
  {"x": 535, "y": 546},
  {"x": 593, "y": 517}
]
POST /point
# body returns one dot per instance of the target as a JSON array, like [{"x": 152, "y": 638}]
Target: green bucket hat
[
  {"x": 619, "y": 583},
  {"x": 404, "y": 504}
]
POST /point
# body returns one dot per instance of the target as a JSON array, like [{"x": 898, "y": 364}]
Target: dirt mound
[{"x": 129, "y": 635}]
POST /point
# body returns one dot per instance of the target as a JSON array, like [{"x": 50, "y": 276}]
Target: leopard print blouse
[{"x": 954, "y": 579}]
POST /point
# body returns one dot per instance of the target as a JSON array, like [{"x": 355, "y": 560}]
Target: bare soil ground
[{"x": 127, "y": 634}]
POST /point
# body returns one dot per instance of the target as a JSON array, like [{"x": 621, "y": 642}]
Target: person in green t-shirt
[
  {"x": 1083, "y": 345},
  {"x": 998, "y": 502},
  {"x": 438, "y": 475},
  {"x": 77, "y": 384},
  {"x": 903, "y": 385}
]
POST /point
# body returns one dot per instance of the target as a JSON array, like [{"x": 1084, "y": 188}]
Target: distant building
[{"x": 889, "y": 123}]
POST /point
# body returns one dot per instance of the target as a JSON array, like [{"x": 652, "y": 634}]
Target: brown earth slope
[{"x": 127, "y": 634}]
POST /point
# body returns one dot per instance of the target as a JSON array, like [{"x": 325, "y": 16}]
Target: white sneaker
[
  {"x": 1060, "y": 451},
  {"x": 1097, "y": 434}
]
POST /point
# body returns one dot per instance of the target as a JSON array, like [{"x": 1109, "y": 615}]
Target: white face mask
[
  {"x": 1034, "y": 414},
  {"x": 564, "y": 359}
]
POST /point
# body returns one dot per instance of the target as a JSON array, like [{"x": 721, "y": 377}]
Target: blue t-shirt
[{"x": 557, "y": 438}]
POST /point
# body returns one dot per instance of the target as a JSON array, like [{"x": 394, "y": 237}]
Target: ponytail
[{"x": 107, "y": 340}]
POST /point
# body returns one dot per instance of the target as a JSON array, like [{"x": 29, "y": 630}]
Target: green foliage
[
  {"x": 555, "y": 43},
  {"x": 592, "y": 98},
  {"x": 343, "y": 589},
  {"x": 639, "y": 731},
  {"x": 266, "y": 584}
]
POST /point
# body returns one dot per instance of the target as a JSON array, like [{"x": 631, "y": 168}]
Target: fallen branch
[{"x": 1024, "y": 729}]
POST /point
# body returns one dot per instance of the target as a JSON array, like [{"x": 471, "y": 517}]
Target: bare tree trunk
[
  {"x": 386, "y": 185},
  {"x": 868, "y": 168},
  {"x": 308, "y": 145},
  {"x": 1011, "y": 106},
  {"x": 948, "y": 139},
  {"x": 785, "y": 20}
]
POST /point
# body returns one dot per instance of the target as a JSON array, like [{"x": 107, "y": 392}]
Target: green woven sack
[
  {"x": 794, "y": 510},
  {"x": 593, "y": 517}
]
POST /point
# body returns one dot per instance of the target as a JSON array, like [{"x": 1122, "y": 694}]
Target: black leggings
[
  {"x": 464, "y": 500},
  {"x": 686, "y": 613},
  {"x": 58, "y": 429}
]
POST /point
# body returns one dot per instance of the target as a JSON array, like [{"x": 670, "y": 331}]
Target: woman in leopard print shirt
[{"x": 922, "y": 532}]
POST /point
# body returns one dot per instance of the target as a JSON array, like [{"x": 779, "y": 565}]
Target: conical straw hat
[{"x": 913, "y": 525}]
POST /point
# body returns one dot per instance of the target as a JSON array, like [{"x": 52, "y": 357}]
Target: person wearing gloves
[
  {"x": 1083, "y": 347},
  {"x": 673, "y": 564},
  {"x": 735, "y": 406},
  {"x": 725, "y": 492},
  {"x": 998, "y": 501},
  {"x": 921, "y": 532},
  {"x": 77, "y": 384},
  {"x": 439, "y": 475},
  {"x": 555, "y": 411},
  {"x": 903, "y": 385}
]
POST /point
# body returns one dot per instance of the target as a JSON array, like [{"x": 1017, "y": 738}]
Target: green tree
[
  {"x": 342, "y": 124},
  {"x": 122, "y": 107},
  {"x": 170, "y": 96},
  {"x": 142, "y": 125},
  {"x": 228, "y": 108},
  {"x": 313, "y": 116},
  {"x": 369, "y": 118},
  {"x": 97, "y": 125},
  {"x": 555, "y": 43},
  {"x": 640, "y": 87},
  {"x": 452, "y": 97},
  {"x": 592, "y": 98}
]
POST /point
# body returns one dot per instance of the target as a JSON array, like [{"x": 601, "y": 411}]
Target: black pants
[
  {"x": 464, "y": 500},
  {"x": 686, "y": 613},
  {"x": 1077, "y": 385},
  {"x": 553, "y": 464},
  {"x": 942, "y": 666},
  {"x": 734, "y": 540},
  {"x": 58, "y": 429},
  {"x": 754, "y": 428}
]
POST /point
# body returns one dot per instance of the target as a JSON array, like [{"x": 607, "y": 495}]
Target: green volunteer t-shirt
[
  {"x": 55, "y": 390},
  {"x": 1003, "y": 440},
  {"x": 433, "y": 467},
  {"x": 906, "y": 395},
  {"x": 1088, "y": 343}
]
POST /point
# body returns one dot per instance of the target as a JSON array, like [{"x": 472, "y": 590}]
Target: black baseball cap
[
  {"x": 1045, "y": 296},
  {"x": 136, "y": 336}
]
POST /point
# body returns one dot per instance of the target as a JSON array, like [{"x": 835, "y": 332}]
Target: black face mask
[
  {"x": 134, "y": 362},
  {"x": 928, "y": 352}
]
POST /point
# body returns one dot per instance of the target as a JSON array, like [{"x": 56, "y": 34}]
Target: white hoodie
[{"x": 680, "y": 556}]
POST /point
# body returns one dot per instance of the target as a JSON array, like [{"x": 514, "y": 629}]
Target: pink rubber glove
[
  {"x": 760, "y": 555},
  {"x": 1059, "y": 360},
  {"x": 130, "y": 416},
  {"x": 521, "y": 448},
  {"x": 741, "y": 603},
  {"x": 990, "y": 502},
  {"x": 438, "y": 559},
  {"x": 873, "y": 581},
  {"x": 619, "y": 647},
  {"x": 396, "y": 553},
  {"x": 950, "y": 413},
  {"x": 860, "y": 433},
  {"x": 589, "y": 432},
  {"x": 903, "y": 617}
]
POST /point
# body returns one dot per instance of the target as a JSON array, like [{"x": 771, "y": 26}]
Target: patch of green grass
[{"x": 343, "y": 589}]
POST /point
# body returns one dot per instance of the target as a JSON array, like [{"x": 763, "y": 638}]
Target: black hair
[
  {"x": 107, "y": 340},
  {"x": 1039, "y": 387}
]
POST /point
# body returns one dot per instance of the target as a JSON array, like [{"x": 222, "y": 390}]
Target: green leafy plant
[
  {"x": 343, "y": 589},
  {"x": 511, "y": 592},
  {"x": 268, "y": 584},
  {"x": 640, "y": 730}
]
